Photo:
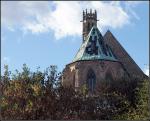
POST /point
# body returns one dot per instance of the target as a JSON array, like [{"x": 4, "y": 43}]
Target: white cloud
[
  {"x": 63, "y": 18},
  {"x": 146, "y": 71},
  {"x": 111, "y": 14}
]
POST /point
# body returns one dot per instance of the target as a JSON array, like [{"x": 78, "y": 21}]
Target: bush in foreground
[{"x": 40, "y": 95}]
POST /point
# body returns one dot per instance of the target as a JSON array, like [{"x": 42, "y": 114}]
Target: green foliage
[
  {"x": 84, "y": 90},
  {"x": 28, "y": 95},
  {"x": 142, "y": 101},
  {"x": 141, "y": 110},
  {"x": 40, "y": 95}
]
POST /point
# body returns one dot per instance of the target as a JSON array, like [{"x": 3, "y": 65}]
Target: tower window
[
  {"x": 83, "y": 29},
  {"x": 91, "y": 80},
  {"x": 88, "y": 27},
  {"x": 92, "y": 24}
]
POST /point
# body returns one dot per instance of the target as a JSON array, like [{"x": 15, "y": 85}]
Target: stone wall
[{"x": 75, "y": 74}]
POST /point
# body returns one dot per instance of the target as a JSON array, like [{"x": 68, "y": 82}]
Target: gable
[
  {"x": 128, "y": 63},
  {"x": 94, "y": 48}
]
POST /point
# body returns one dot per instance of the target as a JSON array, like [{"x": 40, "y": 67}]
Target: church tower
[
  {"x": 99, "y": 58},
  {"x": 89, "y": 20}
]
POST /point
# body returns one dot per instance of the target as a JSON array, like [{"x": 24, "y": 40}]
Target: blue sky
[{"x": 50, "y": 33}]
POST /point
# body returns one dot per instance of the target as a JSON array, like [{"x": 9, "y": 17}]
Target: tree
[
  {"x": 141, "y": 109},
  {"x": 40, "y": 95},
  {"x": 28, "y": 95}
]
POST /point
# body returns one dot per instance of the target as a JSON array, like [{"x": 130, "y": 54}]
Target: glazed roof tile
[{"x": 94, "y": 48}]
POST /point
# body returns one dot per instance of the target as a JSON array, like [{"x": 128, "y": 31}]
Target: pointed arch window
[
  {"x": 88, "y": 27},
  {"x": 109, "y": 77},
  {"x": 91, "y": 80},
  {"x": 92, "y": 24},
  {"x": 74, "y": 84}
]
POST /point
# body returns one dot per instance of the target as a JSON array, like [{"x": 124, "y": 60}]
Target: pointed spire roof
[{"x": 94, "y": 48}]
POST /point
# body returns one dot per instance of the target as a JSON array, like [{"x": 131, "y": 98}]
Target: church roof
[
  {"x": 94, "y": 48},
  {"x": 123, "y": 56}
]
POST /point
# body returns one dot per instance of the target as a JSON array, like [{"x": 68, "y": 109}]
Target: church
[{"x": 99, "y": 58}]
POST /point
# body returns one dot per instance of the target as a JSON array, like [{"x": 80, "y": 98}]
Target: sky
[{"x": 44, "y": 33}]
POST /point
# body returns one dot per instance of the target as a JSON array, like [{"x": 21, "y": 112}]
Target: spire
[
  {"x": 95, "y": 14},
  {"x": 86, "y": 11},
  {"x": 83, "y": 12}
]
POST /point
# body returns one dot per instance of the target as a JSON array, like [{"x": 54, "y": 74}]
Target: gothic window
[
  {"x": 92, "y": 24},
  {"x": 74, "y": 80},
  {"x": 76, "y": 83},
  {"x": 109, "y": 77},
  {"x": 91, "y": 80}
]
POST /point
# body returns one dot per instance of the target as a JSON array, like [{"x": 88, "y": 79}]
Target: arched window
[
  {"x": 74, "y": 81},
  {"x": 92, "y": 24},
  {"x": 109, "y": 77},
  {"x": 88, "y": 27},
  {"x": 91, "y": 80}
]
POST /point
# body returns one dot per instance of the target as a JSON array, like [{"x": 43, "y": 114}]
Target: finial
[
  {"x": 95, "y": 14},
  {"x": 83, "y": 15},
  {"x": 90, "y": 10}
]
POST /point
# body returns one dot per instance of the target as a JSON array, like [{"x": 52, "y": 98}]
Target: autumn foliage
[{"x": 40, "y": 95}]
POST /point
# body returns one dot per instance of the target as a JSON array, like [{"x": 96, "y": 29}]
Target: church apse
[{"x": 96, "y": 60}]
